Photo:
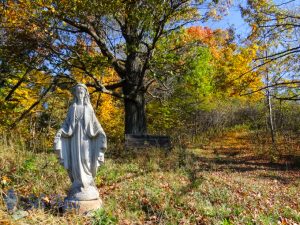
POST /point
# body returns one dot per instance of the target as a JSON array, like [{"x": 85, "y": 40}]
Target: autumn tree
[
  {"x": 198, "y": 80},
  {"x": 123, "y": 33},
  {"x": 275, "y": 27}
]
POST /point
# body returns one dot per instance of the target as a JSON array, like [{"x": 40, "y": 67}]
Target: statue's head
[{"x": 80, "y": 92}]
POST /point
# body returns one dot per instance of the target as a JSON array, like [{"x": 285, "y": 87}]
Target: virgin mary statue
[{"x": 80, "y": 144}]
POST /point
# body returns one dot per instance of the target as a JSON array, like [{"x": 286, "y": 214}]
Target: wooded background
[{"x": 150, "y": 67}]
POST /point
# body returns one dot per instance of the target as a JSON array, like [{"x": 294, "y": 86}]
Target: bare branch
[
  {"x": 272, "y": 85},
  {"x": 102, "y": 89},
  {"x": 292, "y": 98},
  {"x": 284, "y": 3},
  {"x": 149, "y": 83},
  {"x": 115, "y": 85},
  {"x": 90, "y": 29},
  {"x": 289, "y": 51}
]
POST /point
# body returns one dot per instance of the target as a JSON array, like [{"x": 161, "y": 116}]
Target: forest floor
[{"x": 233, "y": 178}]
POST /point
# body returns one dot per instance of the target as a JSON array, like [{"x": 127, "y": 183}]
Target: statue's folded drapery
[{"x": 82, "y": 144}]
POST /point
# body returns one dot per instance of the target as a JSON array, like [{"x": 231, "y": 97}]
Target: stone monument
[{"x": 80, "y": 144}]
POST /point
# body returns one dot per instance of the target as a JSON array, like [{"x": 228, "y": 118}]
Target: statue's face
[{"x": 80, "y": 93}]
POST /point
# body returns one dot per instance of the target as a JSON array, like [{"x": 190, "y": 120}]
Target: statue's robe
[{"x": 82, "y": 144}]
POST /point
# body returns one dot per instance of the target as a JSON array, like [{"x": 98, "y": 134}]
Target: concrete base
[
  {"x": 80, "y": 193},
  {"x": 82, "y": 207}
]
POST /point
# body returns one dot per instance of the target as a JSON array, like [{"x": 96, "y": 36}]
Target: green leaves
[
  {"x": 201, "y": 71},
  {"x": 102, "y": 217}
]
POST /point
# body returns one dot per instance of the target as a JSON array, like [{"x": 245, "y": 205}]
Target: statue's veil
[{"x": 86, "y": 100}]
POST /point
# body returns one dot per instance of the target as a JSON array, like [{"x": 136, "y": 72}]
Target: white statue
[{"x": 80, "y": 144}]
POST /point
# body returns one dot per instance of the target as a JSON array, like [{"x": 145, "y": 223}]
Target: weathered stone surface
[
  {"x": 83, "y": 207},
  {"x": 19, "y": 214},
  {"x": 145, "y": 141},
  {"x": 80, "y": 145}
]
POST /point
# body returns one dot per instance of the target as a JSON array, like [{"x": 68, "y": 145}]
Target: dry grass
[{"x": 227, "y": 181}]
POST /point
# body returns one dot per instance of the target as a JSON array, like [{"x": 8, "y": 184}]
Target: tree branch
[
  {"x": 272, "y": 85},
  {"x": 24, "y": 114},
  {"x": 289, "y": 51},
  {"x": 7, "y": 98},
  {"x": 90, "y": 29},
  {"x": 115, "y": 85},
  {"x": 292, "y": 98}
]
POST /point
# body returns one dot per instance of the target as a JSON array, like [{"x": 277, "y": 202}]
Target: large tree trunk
[{"x": 135, "y": 115}]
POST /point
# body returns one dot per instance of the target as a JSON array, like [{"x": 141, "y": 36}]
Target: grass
[{"x": 226, "y": 181}]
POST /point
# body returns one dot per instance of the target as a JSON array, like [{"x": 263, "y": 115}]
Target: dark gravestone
[{"x": 145, "y": 141}]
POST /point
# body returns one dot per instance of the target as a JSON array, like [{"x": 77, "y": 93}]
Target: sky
[
  {"x": 232, "y": 19},
  {"x": 235, "y": 20}
]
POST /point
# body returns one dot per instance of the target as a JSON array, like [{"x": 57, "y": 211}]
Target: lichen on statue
[{"x": 80, "y": 144}]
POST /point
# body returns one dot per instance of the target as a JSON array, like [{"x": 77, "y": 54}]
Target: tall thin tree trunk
[
  {"x": 270, "y": 110},
  {"x": 270, "y": 117}
]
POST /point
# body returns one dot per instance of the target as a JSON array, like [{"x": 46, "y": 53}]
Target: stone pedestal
[
  {"x": 82, "y": 207},
  {"x": 79, "y": 193},
  {"x": 80, "y": 144}
]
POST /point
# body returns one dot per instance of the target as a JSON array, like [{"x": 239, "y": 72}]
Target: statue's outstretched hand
[
  {"x": 101, "y": 158},
  {"x": 58, "y": 134},
  {"x": 57, "y": 143}
]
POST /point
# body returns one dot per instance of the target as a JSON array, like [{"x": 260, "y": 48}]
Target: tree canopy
[
  {"x": 61, "y": 37},
  {"x": 132, "y": 50},
  {"x": 275, "y": 28}
]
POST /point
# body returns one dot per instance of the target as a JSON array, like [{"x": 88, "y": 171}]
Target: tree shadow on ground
[
  {"x": 281, "y": 179},
  {"x": 233, "y": 160},
  {"x": 244, "y": 164}
]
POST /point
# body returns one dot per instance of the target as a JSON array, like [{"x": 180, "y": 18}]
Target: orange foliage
[
  {"x": 201, "y": 33},
  {"x": 214, "y": 39},
  {"x": 232, "y": 63},
  {"x": 110, "y": 110}
]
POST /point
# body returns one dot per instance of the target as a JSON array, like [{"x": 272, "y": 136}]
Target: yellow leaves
[
  {"x": 233, "y": 73},
  {"x": 52, "y": 9},
  {"x": 22, "y": 15},
  {"x": 254, "y": 27},
  {"x": 109, "y": 109},
  {"x": 259, "y": 3},
  {"x": 213, "y": 14},
  {"x": 238, "y": 77},
  {"x": 111, "y": 115},
  {"x": 60, "y": 92},
  {"x": 17, "y": 12},
  {"x": 46, "y": 199},
  {"x": 5, "y": 180},
  {"x": 20, "y": 94},
  {"x": 254, "y": 32}
]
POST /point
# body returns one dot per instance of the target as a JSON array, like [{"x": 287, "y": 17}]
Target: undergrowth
[{"x": 222, "y": 182}]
